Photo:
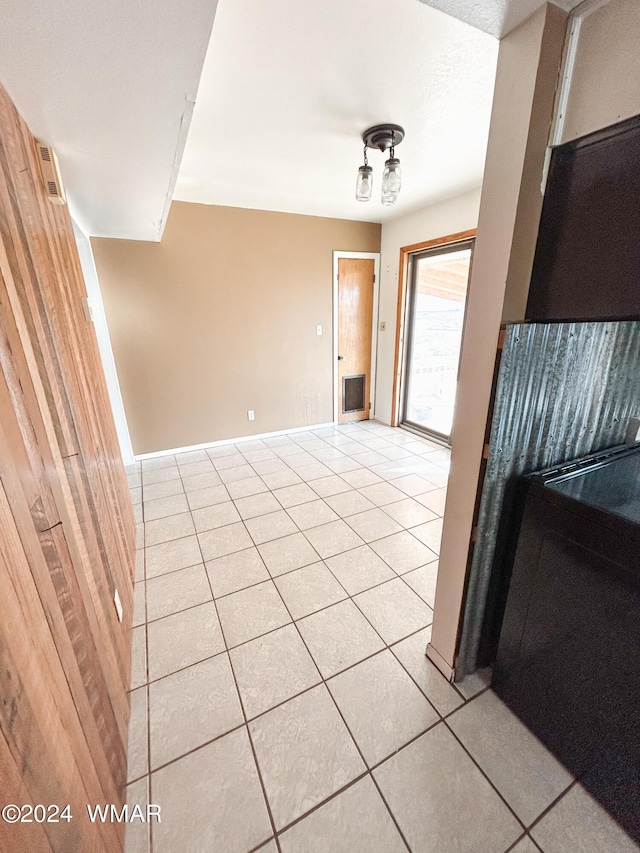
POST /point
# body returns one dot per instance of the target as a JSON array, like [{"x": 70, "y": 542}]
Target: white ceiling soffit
[
  {"x": 288, "y": 88},
  {"x": 496, "y": 17},
  {"x": 110, "y": 85}
]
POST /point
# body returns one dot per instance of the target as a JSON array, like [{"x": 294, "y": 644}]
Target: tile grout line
[
  {"x": 525, "y": 827},
  {"x": 244, "y": 715},
  {"x": 391, "y": 649},
  {"x": 147, "y": 688},
  {"x": 575, "y": 781},
  {"x": 277, "y": 832},
  {"x": 518, "y": 841},
  {"x": 193, "y": 749},
  {"x": 313, "y": 548},
  {"x": 272, "y": 577},
  {"x": 273, "y": 631},
  {"x": 244, "y": 724},
  {"x": 389, "y": 810},
  {"x": 386, "y": 646},
  {"x": 282, "y": 509},
  {"x": 344, "y": 722},
  {"x": 321, "y": 559},
  {"x": 264, "y": 713},
  {"x": 318, "y": 806},
  {"x": 475, "y": 695},
  {"x": 515, "y": 843},
  {"x": 307, "y": 566},
  {"x": 283, "y": 458}
]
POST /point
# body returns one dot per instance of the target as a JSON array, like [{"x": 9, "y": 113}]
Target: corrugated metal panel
[{"x": 564, "y": 390}]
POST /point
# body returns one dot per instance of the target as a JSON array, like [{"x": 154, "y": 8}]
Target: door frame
[
  {"x": 401, "y": 314},
  {"x": 375, "y": 257}
]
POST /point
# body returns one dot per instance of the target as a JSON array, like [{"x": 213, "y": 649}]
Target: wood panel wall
[{"x": 67, "y": 533}]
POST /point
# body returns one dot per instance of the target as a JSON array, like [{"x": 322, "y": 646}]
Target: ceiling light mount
[{"x": 383, "y": 136}]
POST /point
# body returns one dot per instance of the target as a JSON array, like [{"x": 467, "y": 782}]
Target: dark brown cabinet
[{"x": 569, "y": 653}]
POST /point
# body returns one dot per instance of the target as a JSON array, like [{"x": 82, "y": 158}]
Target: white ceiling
[
  {"x": 496, "y": 17},
  {"x": 287, "y": 89},
  {"x": 110, "y": 85}
]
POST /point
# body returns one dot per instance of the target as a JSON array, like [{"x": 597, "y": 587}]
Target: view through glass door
[{"x": 436, "y": 300}]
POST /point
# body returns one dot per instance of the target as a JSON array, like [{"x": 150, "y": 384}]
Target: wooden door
[{"x": 355, "y": 318}]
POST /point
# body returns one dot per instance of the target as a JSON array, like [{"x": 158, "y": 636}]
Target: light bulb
[
  {"x": 364, "y": 183},
  {"x": 391, "y": 181}
]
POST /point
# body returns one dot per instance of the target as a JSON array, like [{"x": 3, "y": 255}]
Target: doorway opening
[
  {"x": 355, "y": 322},
  {"x": 436, "y": 278}
]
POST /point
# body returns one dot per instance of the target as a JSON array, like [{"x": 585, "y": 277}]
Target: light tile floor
[{"x": 281, "y": 699}]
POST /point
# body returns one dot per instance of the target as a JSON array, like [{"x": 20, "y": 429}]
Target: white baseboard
[
  {"x": 379, "y": 419},
  {"x": 156, "y": 453}
]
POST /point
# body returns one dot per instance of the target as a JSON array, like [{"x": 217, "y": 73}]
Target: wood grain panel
[
  {"x": 10, "y": 834},
  {"x": 67, "y": 532},
  {"x": 355, "y": 317}
]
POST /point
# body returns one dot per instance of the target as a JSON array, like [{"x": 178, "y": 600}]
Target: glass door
[{"x": 436, "y": 299}]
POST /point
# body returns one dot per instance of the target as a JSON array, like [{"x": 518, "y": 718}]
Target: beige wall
[
  {"x": 545, "y": 57},
  {"x": 220, "y": 317},
  {"x": 429, "y": 223},
  {"x": 522, "y": 92},
  {"x": 605, "y": 83}
]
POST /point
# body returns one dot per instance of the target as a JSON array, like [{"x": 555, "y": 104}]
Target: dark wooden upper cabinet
[{"x": 587, "y": 261}]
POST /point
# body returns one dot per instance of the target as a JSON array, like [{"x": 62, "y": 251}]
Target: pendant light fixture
[
  {"x": 364, "y": 183},
  {"x": 384, "y": 137}
]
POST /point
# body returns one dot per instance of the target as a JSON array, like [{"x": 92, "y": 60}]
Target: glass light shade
[
  {"x": 364, "y": 183},
  {"x": 391, "y": 181}
]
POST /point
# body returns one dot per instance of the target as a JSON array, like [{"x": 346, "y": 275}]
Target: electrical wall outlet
[
  {"x": 88, "y": 310},
  {"x": 118, "y": 604},
  {"x": 251, "y": 415}
]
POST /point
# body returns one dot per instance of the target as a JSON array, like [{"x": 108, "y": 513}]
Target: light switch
[
  {"x": 383, "y": 325},
  {"x": 318, "y": 330}
]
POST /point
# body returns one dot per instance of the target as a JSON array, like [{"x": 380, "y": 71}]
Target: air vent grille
[
  {"x": 50, "y": 174},
  {"x": 353, "y": 393}
]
